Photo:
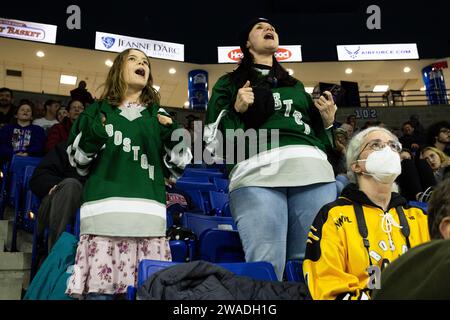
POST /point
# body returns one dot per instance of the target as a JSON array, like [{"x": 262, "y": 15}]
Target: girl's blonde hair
[
  {"x": 116, "y": 87},
  {"x": 441, "y": 154}
]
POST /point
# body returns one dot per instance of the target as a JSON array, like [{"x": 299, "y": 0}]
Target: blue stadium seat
[
  {"x": 197, "y": 188},
  {"x": 32, "y": 202},
  {"x": 218, "y": 201},
  {"x": 294, "y": 271},
  {"x": 226, "y": 212},
  {"x": 198, "y": 200},
  {"x": 13, "y": 181},
  {"x": 418, "y": 204},
  {"x": 255, "y": 270},
  {"x": 23, "y": 197},
  {"x": 17, "y": 171},
  {"x": 198, "y": 223},
  {"x": 76, "y": 229},
  {"x": 221, "y": 246},
  {"x": 209, "y": 173},
  {"x": 179, "y": 250},
  {"x": 3, "y": 188},
  {"x": 221, "y": 184}
]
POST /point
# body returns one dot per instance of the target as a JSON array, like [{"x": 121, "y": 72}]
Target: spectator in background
[
  {"x": 62, "y": 114},
  {"x": 410, "y": 139},
  {"x": 7, "y": 109},
  {"x": 51, "y": 110},
  {"x": 59, "y": 186},
  {"x": 22, "y": 138},
  {"x": 351, "y": 120},
  {"x": 337, "y": 159},
  {"x": 348, "y": 128},
  {"x": 368, "y": 226},
  {"x": 82, "y": 94},
  {"x": 439, "y": 162},
  {"x": 438, "y": 136},
  {"x": 417, "y": 180},
  {"x": 418, "y": 127},
  {"x": 39, "y": 110},
  {"x": 60, "y": 131},
  {"x": 373, "y": 123}
]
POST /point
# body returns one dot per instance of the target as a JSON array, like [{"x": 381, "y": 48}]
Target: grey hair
[{"x": 355, "y": 145}]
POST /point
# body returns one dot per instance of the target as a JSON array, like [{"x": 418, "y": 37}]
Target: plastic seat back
[
  {"x": 218, "y": 201},
  {"x": 198, "y": 223},
  {"x": 255, "y": 270},
  {"x": 220, "y": 246},
  {"x": 418, "y": 204},
  {"x": 294, "y": 271}
]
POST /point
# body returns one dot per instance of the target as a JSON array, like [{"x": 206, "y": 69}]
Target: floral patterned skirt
[{"x": 108, "y": 265}]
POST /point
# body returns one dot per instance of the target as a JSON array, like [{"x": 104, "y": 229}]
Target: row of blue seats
[
  {"x": 15, "y": 192},
  {"x": 256, "y": 270}
]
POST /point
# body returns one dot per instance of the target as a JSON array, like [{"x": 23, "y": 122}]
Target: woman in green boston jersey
[
  {"x": 273, "y": 209},
  {"x": 121, "y": 143}
]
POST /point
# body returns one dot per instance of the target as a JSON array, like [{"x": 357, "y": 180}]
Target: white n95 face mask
[{"x": 383, "y": 165}]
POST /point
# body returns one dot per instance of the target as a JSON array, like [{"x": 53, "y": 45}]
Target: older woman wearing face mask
[{"x": 353, "y": 238}]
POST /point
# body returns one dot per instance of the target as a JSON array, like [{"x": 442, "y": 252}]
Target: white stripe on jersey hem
[
  {"x": 274, "y": 156},
  {"x": 122, "y": 205}
]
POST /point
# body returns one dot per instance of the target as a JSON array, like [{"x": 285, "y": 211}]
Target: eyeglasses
[{"x": 377, "y": 145}]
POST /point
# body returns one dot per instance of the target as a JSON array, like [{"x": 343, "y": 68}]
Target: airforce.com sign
[
  {"x": 403, "y": 51},
  {"x": 152, "y": 48}
]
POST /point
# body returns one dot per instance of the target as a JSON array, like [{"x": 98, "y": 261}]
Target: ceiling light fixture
[
  {"x": 381, "y": 88},
  {"x": 66, "y": 79}
]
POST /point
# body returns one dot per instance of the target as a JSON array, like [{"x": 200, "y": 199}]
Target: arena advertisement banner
[
  {"x": 400, "y": 51},
  {"x": 25, "y": 30},
  {"x": 284, "y": 54},
  {"x": 154, "y": 49}
]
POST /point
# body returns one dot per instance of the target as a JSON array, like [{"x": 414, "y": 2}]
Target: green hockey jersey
[
  {"x": 297, "y": 159},
  {"x": 124, "y": 194}
]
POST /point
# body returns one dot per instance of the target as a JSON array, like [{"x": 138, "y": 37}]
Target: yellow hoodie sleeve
[{"x": 325, "y": 266}]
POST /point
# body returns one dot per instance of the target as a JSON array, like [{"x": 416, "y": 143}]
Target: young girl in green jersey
[{"x": 122, "y": 143}]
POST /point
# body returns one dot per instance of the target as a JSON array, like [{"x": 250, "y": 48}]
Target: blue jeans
[{"x": 274, "y": 223}]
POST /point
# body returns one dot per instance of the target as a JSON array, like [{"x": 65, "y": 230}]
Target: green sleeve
[
  {"x": 222, "y": 98},
  {"x": 87, "y": 138}
]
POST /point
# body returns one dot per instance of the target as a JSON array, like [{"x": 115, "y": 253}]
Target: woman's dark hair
[{"x": 245, "y": 72}]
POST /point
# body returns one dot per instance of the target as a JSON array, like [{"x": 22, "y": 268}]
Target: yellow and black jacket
[{"x": 351, "y": 234}]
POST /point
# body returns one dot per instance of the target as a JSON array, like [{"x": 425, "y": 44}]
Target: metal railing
[{"x": 404, "y": 98}]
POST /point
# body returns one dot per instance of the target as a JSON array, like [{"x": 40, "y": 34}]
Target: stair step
[
  {"x": 4, "y": 226},
  {"x": 15, "y": 261},
  {"x": 24, "y": 240},
  {"x": 11, "y": 283}
]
